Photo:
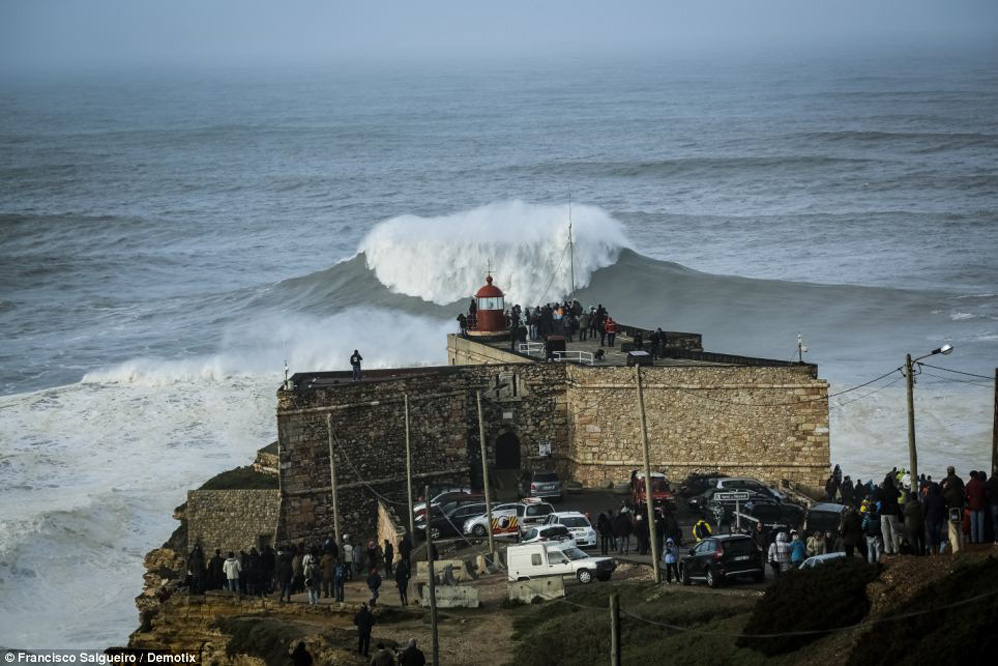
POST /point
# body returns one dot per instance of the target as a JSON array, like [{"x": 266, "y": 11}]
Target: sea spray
[{"x": 444, "y": 259}]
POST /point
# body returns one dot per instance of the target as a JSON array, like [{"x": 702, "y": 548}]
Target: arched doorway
[{"x": 507, "y": 451}]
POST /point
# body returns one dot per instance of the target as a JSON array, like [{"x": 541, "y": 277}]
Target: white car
[
  {"x": 508, "y": 518},
  {"x": 539, "y": 533},
  {"x": 537, "y": 560},
  {"x": 580, "y": 527}
]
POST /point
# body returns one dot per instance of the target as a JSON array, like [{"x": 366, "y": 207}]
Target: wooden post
[
  {"x": 337, "y": 536},
  {"x": 485, "y": 478},
  {"x": 433, "y": 585},
  {"x": 614, "y": 630},
  {"x": 649, "y": 504},
  {"x": 408, "y": 476},
  {"x": 912, "y": 455}
]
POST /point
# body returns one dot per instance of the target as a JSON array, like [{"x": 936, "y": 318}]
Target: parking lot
[{"x": 595, "y": 501}]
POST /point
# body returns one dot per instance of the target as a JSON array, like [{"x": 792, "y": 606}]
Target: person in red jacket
[
  {"x": 611, "y": 330},
  {"x": 977, "y": 504}
]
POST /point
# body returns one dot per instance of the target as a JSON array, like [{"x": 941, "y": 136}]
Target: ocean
[{"x": 169, "y": 237}]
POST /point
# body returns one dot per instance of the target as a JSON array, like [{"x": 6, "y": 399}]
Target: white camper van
[{"x": 536, "y": 560}]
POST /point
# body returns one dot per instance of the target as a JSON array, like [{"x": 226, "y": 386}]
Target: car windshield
[
  {"x": 545, "y": 476},
  {"x": 575, "y": 521},
  {"x": 574, "y": 554}
]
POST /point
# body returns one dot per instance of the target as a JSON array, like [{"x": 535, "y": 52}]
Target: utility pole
[
  {"x": 614, "y": 630},
  {"x": 913, "y": 456},
  {"x": 337, "y": 536},
  {"x": 433, "y": 584},
  {"x": 994, "y": 432},
  {"x": 485, "y": 478},
  {"x": 649, "y": 504},
  {"x": 408, "y": 475}
]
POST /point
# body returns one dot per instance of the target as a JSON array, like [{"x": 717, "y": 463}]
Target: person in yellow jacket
[{"x": 701, "y": 530}]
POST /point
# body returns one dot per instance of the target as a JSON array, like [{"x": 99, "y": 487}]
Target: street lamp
[{"x": 908, "y": 366}]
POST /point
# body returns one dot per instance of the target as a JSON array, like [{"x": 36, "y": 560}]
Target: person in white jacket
[{"x": 232, "y": 569}]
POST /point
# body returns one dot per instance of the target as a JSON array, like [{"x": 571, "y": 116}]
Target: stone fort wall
[
  {"x": 368, "y": 420},
  {"x": 769, "y": 423},
  {"x": 231, "y": 519},
  {"x": 766, "y": 422}
]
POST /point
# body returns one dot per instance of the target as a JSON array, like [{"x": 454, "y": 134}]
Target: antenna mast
[
  {"x": 571, "y": 245},
  {"x": 801, "y": 348}
]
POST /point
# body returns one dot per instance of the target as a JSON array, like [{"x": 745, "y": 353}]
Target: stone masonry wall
[
  {"x": 231, "y": 519},
  {"x": 769, "y": 423},
  {"x": 369, "y": 439}
]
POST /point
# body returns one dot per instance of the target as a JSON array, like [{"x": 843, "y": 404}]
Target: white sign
[{"x": 740, "y": 496}]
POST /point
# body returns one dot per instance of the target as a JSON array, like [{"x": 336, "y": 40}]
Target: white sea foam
[
  {"x": 443, "y": 259},
  {"x": 386, "y": 340},
  {"x": 90, "y": 473}
]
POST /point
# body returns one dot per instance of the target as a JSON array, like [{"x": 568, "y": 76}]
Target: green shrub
[
  {"x": 964, "y": 633},
  {"x": 826, "y": 597}
]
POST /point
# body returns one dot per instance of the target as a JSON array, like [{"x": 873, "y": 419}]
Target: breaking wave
[{"x": 444, "y": 259}]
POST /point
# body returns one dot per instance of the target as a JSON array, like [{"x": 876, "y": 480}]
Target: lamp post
[{"x": 909, "y": 365}]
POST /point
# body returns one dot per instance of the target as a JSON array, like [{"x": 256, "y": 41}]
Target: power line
[
  {"x": 958, "y": 372},
  {"x": 866, "y": 395},
  {"x": 954, "y": 379},
  {"x": 699, "y": 394}
]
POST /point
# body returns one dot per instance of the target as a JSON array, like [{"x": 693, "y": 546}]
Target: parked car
[
  {"x": 579, "y": 526},
  {"x": 702, "y": 503},
  {"x": 448, "y": 497},
  {"x": 661, "y": 492},
  {"x": 537, "y": 560},
  {"x": 447, "y": 522},
  {"x": 743, "y": 483},
  {"x": 698, "y": 482},
  {"x": 541, "y": 483},
  {"x": 507, "y": 518},
  {"x": 823, "y": 517},
  {"x": 821, "y": 560},
  {"x": 541, "y": 533},
  {"x": 718, "y": 559},
  {"x": 774, "y": 516}
]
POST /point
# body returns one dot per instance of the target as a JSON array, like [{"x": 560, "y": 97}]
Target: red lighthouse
[{"x": 490, "y": 316}]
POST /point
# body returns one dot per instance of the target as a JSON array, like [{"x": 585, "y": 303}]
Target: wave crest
[{"x": 444, "y": 259}]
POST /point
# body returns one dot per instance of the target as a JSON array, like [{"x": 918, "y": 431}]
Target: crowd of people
[
  {"x": 321, "y": 571},
  {"x": 901, "y": 515},
  {"x": 569, "y": 319}
]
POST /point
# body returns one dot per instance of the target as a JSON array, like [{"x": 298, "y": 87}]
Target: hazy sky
[{"x": 70, "y": 33}]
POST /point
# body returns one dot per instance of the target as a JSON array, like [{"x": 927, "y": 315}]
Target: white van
[{"x": 536, "y": 560}]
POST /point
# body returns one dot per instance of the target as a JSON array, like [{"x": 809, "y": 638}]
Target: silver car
[{"x": 544, "y": 484}]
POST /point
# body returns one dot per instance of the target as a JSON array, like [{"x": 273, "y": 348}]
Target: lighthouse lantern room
[{"x": 490, "y": 317}]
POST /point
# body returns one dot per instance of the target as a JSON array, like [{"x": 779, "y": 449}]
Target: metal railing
[
  {"x": 531, "y": 348},
  {"x": 575, "y": 355}
]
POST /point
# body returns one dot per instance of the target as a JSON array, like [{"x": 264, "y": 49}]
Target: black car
[
  {"x": 717, "y": 559},
  {"x": 774, "y": 516},
  {"x": 702, "y": 503},
  {"x": 823, "y": 517},
  {"x": 447, "y": 521},
  {"x": 698, "y": 482}
]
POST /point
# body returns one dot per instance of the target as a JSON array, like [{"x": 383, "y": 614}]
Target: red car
[{"x": 660, "y": 490}]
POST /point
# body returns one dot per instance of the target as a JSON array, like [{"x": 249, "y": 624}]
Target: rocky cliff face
[{"x": 222, "y": 629}]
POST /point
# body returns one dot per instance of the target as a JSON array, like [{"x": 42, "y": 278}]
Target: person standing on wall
[
  {"x": 355, "y": 360},
  {"x": 611, "y": 330}
]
